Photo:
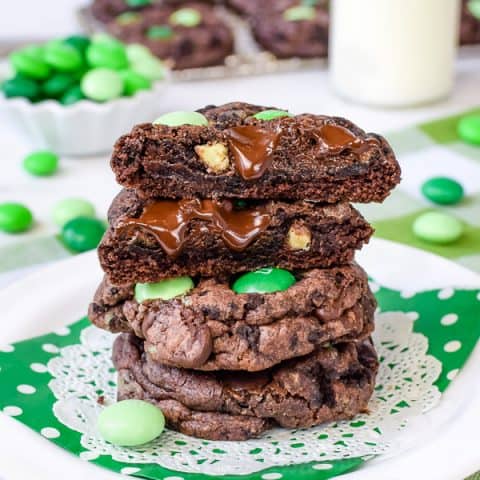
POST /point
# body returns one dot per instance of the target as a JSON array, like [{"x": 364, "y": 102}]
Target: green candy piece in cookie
[
  {"x": 138, "y": 3},
  {"x": 128, "y": 18},
  {"x": 272, "y": 114},
  {"x": 302, "y": 12},
  {"x": 164, "y": 290},
  {"x": 175, "y": 119},
  {"x": 265, "y": 280},
  {"x": 159, "y": 32},
  {"x": 186, "y": 17}
]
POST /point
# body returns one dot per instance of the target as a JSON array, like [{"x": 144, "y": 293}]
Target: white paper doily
[{"x": 404, "y": 391}]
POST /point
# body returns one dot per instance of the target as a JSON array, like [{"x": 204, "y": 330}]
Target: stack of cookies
[{"x": 230, "y": 268}]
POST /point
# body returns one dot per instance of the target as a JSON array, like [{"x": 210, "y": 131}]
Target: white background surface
[{"x": 91, "y": 177}]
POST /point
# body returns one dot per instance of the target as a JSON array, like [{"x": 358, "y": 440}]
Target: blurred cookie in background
[
  {"x": 292, "y": 28},
  {"x": 470, "y": 22},
  {"x": 189, "y": 36}
]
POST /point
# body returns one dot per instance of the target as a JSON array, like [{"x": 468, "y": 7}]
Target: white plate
[{"x": 61, "y": 293}]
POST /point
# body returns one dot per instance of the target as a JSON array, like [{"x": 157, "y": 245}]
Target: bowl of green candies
[{"x": 77, "y": 95}]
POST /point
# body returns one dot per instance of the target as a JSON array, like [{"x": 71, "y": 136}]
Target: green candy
[
  {"x": 151, "y": 68},
  {"x": 437, "y": 227},
  {"x": 107, "y": 54},
  {"x": 71, "y": 96},
  {"x": 134, "y": 82},
  {"x": 474, "y": 8},
  {"x": 186, "y": 17},
  {"x": 137, "y": 53},
  {"x": 29, "y": 62},
  {"x": 57, "y": 85},
  {"x": 21, "y": 87},
  {"x": 15, "y": 217},
  {"x": 80, "y": 42},
  {"x": 102, "y": 84},
  {"x": 469, "y": 129},
  {"x": 70, "y": 208},
  {"x": 175, "y": 119},
  {"x": 302, "y": 12},
  {"x": 41, "y": 164},
  {"x": 82, "y": 233},
  {"x": 310, "y": 3},
  {"x": 129, "y": 423},
  {"x": 138, "y": 3},
  {"x": 271, "y": 114},
  {"x": 164, "y": 290},
  {"x": 128, "y": 18},
  {"x": 443, "y": 190},
  {"x": 160, "y": 32},
  {"x": 265, "y": 280},
  {"x": 63, "y": 57}
]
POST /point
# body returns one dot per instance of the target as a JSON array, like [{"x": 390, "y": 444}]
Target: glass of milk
[{"x": 393, "y": 53}]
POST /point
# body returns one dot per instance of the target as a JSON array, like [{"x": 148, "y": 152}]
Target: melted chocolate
[
  {"x": 337, "y": 139},
  {"x": 252, "y": 148},
  {"x": 168, "y": 220}
]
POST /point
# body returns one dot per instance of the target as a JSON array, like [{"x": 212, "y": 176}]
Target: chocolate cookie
[
  {"x": 214, "y": 328},
  {"x": 332, "y": 383},
  {"x": 288, "y": 28},
  {"x": 151, "y": 240},
  {"x": 469, "y": 24},
  {"x": 189, "y": 35},
  {"x": 326, "y": 159}
]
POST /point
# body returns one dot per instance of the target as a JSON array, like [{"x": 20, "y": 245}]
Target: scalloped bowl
[{"x": 86, "y": 127}]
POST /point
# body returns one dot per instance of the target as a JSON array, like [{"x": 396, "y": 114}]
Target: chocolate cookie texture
[
  {"x": 213, "y": 328},
  {"x": 332, "y": 383},
  {"x": 315, "y": 157},
  {"x": 189, "y": 35},
  {"x": 153, "y": 239}
]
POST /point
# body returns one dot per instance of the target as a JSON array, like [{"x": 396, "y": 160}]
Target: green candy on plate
[
  {"x": 265, "y": 280},
  {"x": 41, "y": 163},
  {"x": 186, "y": 17},
  {"x": 175, "y": 119},
  {"x": 15, "y": 217},
  {"x": 129, "y": 423},
  {"x": 164, "y": 289}
]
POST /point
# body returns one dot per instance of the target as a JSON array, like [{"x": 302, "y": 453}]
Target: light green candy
[
  {"x": 186, "y": 17},
  {"x": 70, "y": 208},
  {"x": 474, "y": 8},
  {"x": 130, "y": 422},
  {"x": 469, "y": 129},
  {"x": 437, "y": 227},
  {"x": 271, "y": 114},
  {"x": 150, "y": 68},
  {"x": 134, "y": 82},
  {"x": 175, "y": 119},
  {"x": 137, "y": 52},
  {"x": 302, "y": 12},
  {"x": 127, "y": 18},
  {"x": 102, "y": 84},
  {"x": 164, "y": 290}
]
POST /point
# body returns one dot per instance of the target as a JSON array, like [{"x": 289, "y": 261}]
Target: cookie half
[{"x": 332, "y": 383}]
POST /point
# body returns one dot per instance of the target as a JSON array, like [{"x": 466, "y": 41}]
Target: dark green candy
[
  {"x": 138, "y": 3},
  {"x": 21, "y": 87},
  {"x": 57, "y": 85},
  {"x": 73, "y": 95},
  {"x": 265, "y": 280},
  {"x": 159, "y": 32},
  {"x": 80, "y": 42},
  {"x": 82, "y": 233},
  {"x": 443, "y": 190}
]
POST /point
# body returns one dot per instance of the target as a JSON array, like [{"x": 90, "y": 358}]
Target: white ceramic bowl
[{"x": 86, "y": 127}]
